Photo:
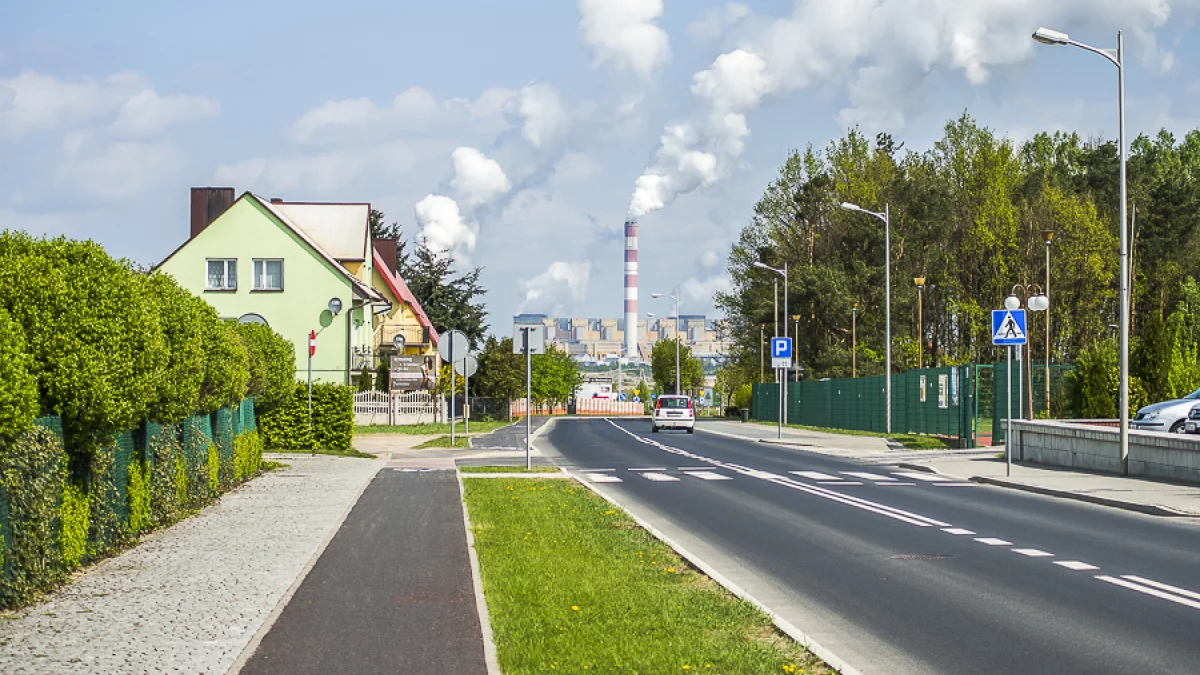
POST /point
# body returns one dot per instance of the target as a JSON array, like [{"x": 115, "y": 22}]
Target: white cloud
[
  {"x": 702, "y": 291},
  {"x": 710, "y": 258},
  {"x": 575, "y": 168},
  {"x": 444, "y": 229},
  {"x": 884, "y": 49},
  {"x": 412, "y": 110},
  {"x": 558, "y": 290},
  {"x": 546, "y": 118},
  {"x": 120, "y": 171},
  {"x": 625, "y": 33},
  {"x": 477, "y": 179},
  {"x": 147, "y": 113},
  {"x": 714, "y": 22},
  {"x": 35, "y": 102}
]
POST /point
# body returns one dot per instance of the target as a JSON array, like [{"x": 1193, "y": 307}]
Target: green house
[{"x": 302, "y": 268}]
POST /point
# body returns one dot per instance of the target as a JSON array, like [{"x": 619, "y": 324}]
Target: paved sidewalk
[
  {"x": 393, "y": 592},
  {"x": 190, "y": 597}
]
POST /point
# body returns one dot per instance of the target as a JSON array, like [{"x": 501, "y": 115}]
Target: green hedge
[{"x": 287, "y": 428}]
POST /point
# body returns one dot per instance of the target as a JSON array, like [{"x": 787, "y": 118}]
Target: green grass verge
[
  {"x": 443, "y": 442},
  {"x": 480, "y": 426},
  {"x": 343, "y": 453},
  {"x": 508, "y": 469},
  {"x": 573, "y": 585},
  {"x": 910, "y": 441}
]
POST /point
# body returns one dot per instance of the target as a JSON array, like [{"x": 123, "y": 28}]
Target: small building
[{"x": 304, "y": 268}]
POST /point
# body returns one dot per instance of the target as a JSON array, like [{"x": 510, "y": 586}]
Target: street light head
[
  {"x": 1051, "y": 37},
  {"x": 1012, "y": 302},
  {"x": 847, "y": 206},
  {"x": 1039, "y": 303},
  {"x": 1048, "y": 235},
  {"x": 762, "y": 265},
  {"x": 919, "y": 281}
]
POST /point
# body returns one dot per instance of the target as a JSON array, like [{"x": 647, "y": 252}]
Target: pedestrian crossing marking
[
  {"x": 869, "y": 476},
  {"x": 927, "y": 477},
  {"x": 659, "y": 477},
  {"x": 602, "y": 478},
  {"x": 814, "y": 475},
  {"x": 707, "y": 475}
]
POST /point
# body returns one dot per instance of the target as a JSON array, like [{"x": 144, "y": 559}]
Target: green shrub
[
  {"x": 272, "y": 365},
  {"x": 287, "y": 427},
  {"x": 226, "y": 365},
  {"x": 182, "y": 316},
  {"x": 92, "y": 330},
  {"x": 741, "y": 397},
  {"x": 139, "y": 497},
  {"x": 107, "y": 530},
  {"x": 247, "y": 455},
  {"x": 214, "y": 469},
  {"x": 181, "y": 479},
  {"x": 363, "y": 380},
  {"x": 32, "y": 475},
  {"x": 18, "y": 395},
  {"x": 74, "y": 516},
  {"x": 165, "y": 453}
]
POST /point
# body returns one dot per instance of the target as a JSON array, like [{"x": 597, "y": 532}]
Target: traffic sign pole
[
  {"x": 780, "y": 380},
  {"x": 528, "y": 399},
  {"x": 1008, "y": 424}
]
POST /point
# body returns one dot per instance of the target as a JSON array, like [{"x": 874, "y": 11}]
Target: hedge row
[
  {"x": 57, "y": 514},
  {"x": 287, "y": 427}
]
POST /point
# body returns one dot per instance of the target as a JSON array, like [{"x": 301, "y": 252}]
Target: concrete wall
[{"x": 1096, "y": 448}]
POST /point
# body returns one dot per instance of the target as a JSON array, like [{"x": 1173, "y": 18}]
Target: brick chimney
[
  {"x": 208, "y": 203},
  {"x": 386, "y": 248}
]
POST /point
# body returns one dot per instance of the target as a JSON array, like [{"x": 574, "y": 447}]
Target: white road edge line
[
  {"x": 1149, "y": 591},
  {"x": 1162, "y": 586},
  {"x": 832, "y": 660}
]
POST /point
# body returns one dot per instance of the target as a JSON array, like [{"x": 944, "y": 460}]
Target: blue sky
[{"x": 513, "y": 133}]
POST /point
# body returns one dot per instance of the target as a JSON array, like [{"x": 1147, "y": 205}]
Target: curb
[
  {"x": 923, "y": 468},
  {"x": 1149, "y": 509}
]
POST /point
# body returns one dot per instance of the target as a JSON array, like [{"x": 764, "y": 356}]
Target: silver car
[{"x": 1169, "y": 416}]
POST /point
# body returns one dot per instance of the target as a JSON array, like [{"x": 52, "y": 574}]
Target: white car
[{"x": 673, "y": 412}]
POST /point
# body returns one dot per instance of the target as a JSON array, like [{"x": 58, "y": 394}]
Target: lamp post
[
  {"x": 1116, "y": 57},
  {"x": 783, "y": 273},
  {"x": 1048, "y": 235},
  {"x": 762, "y": 372},
  {"x": 854, "y": 339},
  {"x": 1036, "y": 301},
  {"x": 676, "y": 299},
  {"x": 887, "y": 285},
  {"x": 796, "y": 336},
  {"x": 920, "y": 282}
]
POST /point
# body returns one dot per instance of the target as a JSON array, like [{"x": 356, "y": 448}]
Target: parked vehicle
[
  {"x": 1192, "y": 424},
  {"x": 1168, "y": 416},
  {"x": 673, "y": 412}
]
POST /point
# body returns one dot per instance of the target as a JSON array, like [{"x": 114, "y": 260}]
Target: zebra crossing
[{"x": 712, "y": 474}]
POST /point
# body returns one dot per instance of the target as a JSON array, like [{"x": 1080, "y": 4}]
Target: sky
[{"x": 518, "y": 136}]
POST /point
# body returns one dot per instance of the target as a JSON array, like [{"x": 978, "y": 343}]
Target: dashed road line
[
  {"x": 653, "y": 468},
  {"x": 843, "y": 482},
  {"x": 1033, "y": 552},
  {"x": 1151, "y": 590},
  {"x": 814, "y": 475},
  {"x": 868, "y": 476},
  {"x": 1076, "y": 565},
  {"x": 895, "y": 484},
  {"x": 957, "y": 531},
  {"x": 992, "y": 541}
]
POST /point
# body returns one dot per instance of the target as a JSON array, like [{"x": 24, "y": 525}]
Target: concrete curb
[
  {"x": 1149, "y": 509},
  {"x": 922, "y": 468},
  {"x": 556, "y": 476},
  {"x": 490, "y": 658},
  {"x": 252, "y": 646}
]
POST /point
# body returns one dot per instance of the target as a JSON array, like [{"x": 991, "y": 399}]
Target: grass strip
[
  {"x": 480, "y": 426},
  {"x": 910, "y": 441},
  {"x": 574, "y": 585},
  {"x": 508, "y": 469},
  {"x": 443, "y": 442}
]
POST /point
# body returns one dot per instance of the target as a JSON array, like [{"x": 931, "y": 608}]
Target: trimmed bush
[
  {"x": 183, "y": 316},
  {"x": 247, "y": 455},
  {"x": 139, "y": 497},
  {"x": 226, "y": 365},
  {"x": 74, "y": 515},
  {"x": 32, "y": 473},
  {"x": 18, "y": 395},
  {"x": 287, "y": 427},
  {"x": 272, "y": 365}
]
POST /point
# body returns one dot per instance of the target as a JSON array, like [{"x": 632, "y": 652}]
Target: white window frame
[
  {"x": 229, "y": 262},
  {"x": 259, "y": 278}
]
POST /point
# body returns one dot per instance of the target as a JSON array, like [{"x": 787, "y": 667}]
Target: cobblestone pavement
[{"x": 189, "y": 598}]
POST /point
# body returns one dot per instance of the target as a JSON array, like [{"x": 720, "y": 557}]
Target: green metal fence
[{"x": 993, "y": 401}]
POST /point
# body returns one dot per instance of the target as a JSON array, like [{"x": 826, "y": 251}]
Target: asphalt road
[{"x": 897, "y": 572}]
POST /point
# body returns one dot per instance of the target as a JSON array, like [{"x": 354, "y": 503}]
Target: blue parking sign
[{"x": 781, "y": 348}]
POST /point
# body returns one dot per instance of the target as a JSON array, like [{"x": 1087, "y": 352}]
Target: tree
[
  {"x": 555, "y": 376},
  {"x": 383, "y": 376},
  {"x": 363, "y": 380},
  {"x": 501, "y": 372},
  {"x": 451, "y": 300},
  {"x": 662, "y": 364},
  {"x": 379, "y": 230}
]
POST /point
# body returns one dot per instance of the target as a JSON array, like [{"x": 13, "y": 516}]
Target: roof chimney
[
  {"x": 208, "y": 203},
  {"x": 276, "y": 200},
  {"x": 386, "y": 248}
]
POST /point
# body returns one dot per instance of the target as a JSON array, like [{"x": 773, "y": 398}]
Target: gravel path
[{"x": 189, "y": 598}]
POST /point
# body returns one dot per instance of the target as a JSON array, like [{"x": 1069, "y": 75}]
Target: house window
[
  {"x": 222, "y": 275},
  {"x": 268, "y": 275}
]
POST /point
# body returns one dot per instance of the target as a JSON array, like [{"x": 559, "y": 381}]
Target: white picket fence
[{"x": 378, "y": 407}]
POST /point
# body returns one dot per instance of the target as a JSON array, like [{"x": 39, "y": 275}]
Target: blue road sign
[
  {"x": 637, "y": 399},
  {"x": 1008, "y": 327},
  {"x": 781, "y": 348},
  {"x": 622, "y": 398}
]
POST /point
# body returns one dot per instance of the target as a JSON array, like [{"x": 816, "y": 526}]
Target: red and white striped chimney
[{"x": 631, "y": 288}]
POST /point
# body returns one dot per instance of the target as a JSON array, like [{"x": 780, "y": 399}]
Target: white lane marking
[
  {"x": 1162, "y": 586},
  {"x": 992, "y": 541},
  {"x": 927, "y": 477},
  {"x": 867, "y": 476},
  {"x": 874, "y": 507},
  {"x": 893, "y": 484},
  {"x": 956, "y": 531},
  {"x": 694, "y": 468},
  {"x": 602, "y": 478},
  {"x": 659, "y": 477},
  {"x": 1033, "y": 552},
  {"x": 653, "y": 468},
  {"x": 956, "y": 485},
  {"x": 707, "y": 475},
  {"x": 814, "y": 475},
  {"x": 1149, "y": 591},
  {"x": 1076, "y": 565},
  {"x": 842, "y": 482}
]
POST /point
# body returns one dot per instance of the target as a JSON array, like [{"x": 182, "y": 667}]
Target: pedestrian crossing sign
[{"x": 1008, "y": 327}]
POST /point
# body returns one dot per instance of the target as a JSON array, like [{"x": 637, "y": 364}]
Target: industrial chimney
[{"x": 631, "y": 289}]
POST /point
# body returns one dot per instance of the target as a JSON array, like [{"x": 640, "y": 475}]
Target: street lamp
[
  {"x": 1116, "y": 57},
  {"x": 676, "y": 299},
  {"x": 783, "y": 273},
  {"x": 1048, "y": 235},
  {"x": 796, "y": 335},
  {"x": 1036, "y": 301},
  {"x": 762, "y": 340},
  {"x": 920, "y": 282},
  {"x": 887, "y": 284},
  {"x": 854, "y": 339}
]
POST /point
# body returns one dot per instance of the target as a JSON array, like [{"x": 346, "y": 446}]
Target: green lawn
[
  {"x": 508, "y": 469},
  {"x": 443, "y": 442},
  {"x": 573, "y": 585},
  {"x": 910, "y": 441},
  {"x": 480, "y": 426}
]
